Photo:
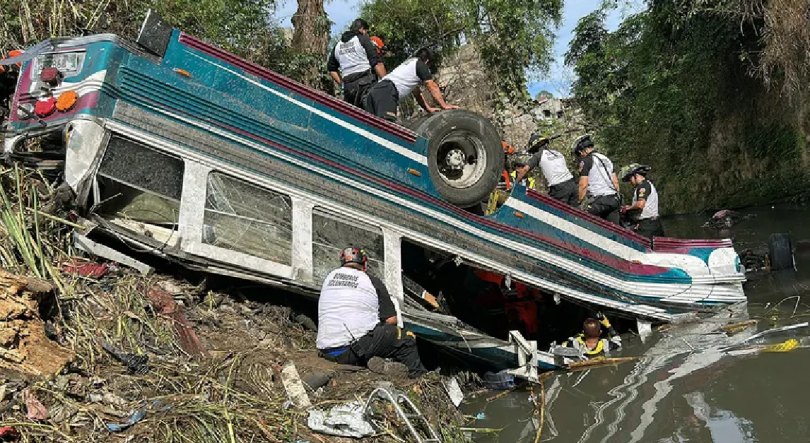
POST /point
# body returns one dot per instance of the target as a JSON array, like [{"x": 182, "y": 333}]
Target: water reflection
[{"x": 684, "y": 388}]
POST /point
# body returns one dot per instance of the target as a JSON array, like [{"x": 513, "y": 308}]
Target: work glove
[
  {"x": 603, "y": 320},
  {"x": 606, "y": 323}
]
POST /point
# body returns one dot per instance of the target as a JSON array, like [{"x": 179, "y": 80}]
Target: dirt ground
[{"x": 232, "y": 392}]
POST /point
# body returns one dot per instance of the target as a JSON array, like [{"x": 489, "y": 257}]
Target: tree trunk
[{"x": 311, "y": 37}]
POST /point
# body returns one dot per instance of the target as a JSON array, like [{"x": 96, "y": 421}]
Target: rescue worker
[
  {"x": 357, "y": 320},
  {"x": 357, "y": 59},
  {"x": 561, "y": 184},
  {"x": 597, "y": 180},
  {"x": 644, "y": 210},
  {"x": 384, "y": 96},
  {"x": 590, "y": 342},
  {"x": 521, "y": 163}
]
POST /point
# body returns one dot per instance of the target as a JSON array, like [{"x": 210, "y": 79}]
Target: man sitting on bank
[
  {"x": 357, "y": 320},
  {"x": 384, "y": 96}
]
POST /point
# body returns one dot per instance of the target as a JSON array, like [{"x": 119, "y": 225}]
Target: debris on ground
[
  {"x": 24, "y": 345},
  {"x": 346, "y": 420},
  {"x": 115, "y": 356}
]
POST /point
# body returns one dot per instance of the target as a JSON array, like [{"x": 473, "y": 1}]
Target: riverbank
[
  {"x": 91, "y": 351},
  {"x": 218, "y": 378}
]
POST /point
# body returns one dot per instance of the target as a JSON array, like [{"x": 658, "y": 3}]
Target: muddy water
[{"x": 683, "y": 389}]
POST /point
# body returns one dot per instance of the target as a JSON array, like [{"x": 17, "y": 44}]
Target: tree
[
  {"x": 311, "y": 37},
  {"x": 672, "y": 87}
]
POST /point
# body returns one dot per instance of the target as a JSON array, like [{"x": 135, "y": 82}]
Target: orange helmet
[
  {"x": 13, "y": 53},
  {"x": 378, "y": 43}
]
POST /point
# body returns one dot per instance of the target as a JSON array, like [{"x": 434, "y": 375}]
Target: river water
[{"x": 683, "y": 389}]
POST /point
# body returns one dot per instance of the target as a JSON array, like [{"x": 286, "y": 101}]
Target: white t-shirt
[
  {"x": 646, "y": 191},
  {"x": 598, "y": 169},
  {"x": 553, "y": 165},
  {"x": 408, "y": 76},
  {"x": 348, "y": 307}
]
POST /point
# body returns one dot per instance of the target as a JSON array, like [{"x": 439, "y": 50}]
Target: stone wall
[{"x": 466, "y": 83}]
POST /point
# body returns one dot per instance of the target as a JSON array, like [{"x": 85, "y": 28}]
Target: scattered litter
[
  {"x": 346, "y": 420},
  {"x": 134, "y": 418},
  {"x": 315, "y": 380},
  {"x": 92, "y": 247},
  {"x": 164, "y": 304},
  {"x": 499, "y": 381},
  {"x": 35, "y": 409},
  {"x": 87, "y": 269},
  {"x": 9, "y": 433},
  {"x": 454, "y": 391},
  {"x": 294, "y": 386},
  {"x": 480, "y": 416},
  {"x": 785, "y": 346},
  {"x": 107, "y": 398},
  {"x": 136, "y": 364},
  {"x": 735, "y": 328}
]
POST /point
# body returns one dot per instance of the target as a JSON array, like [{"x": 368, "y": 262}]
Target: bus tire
[
  {"x": 780, "y": 251},
  {"x": 465, "y": 155}
]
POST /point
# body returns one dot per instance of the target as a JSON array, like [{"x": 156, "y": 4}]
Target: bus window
[
  {"x": 140, "y": 184},
  {"x": 330, "y": 236},
  {"x": 248, "y": 219}
]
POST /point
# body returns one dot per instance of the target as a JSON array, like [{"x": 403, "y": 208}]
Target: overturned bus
[{"x": 173, "y": 146}]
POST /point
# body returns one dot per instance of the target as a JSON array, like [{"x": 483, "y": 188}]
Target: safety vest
[
  {"x": 529, "y": 178},
  {"x": 579, "y": 344}
]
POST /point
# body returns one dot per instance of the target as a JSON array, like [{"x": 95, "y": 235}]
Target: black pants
[
  {"x": 382, "y": 100},
  {"x": 566, "y": 192},
  {"x": 606, "y": 207},
  {"x": 355, "y": 87},
  {"x": 650, "y": 227},
  {"x": 386, "y": 341}
]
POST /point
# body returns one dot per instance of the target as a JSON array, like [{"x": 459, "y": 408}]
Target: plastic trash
[
  {"x": 346, "y": 420},
  {"x": 294, "y": 387},
  {"x": 136, "y": 364},
  {"x": 454, "y": 391},
  {"x": 9, "y": 433},
  {"x": 499, "y": 381}
]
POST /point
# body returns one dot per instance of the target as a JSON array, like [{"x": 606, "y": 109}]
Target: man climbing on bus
[
  {"x": 597, "y": 180},
  {"x": 358, "y": 59},
  {"x": 561, "y": 184},
  {"x": 644, "y": 210},
  {"x": 383, "y": 98},
  {"x": 357, "y": 321},
  {"x": 590, "y": 342}
]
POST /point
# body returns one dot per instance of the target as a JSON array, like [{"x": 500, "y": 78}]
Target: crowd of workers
[{"x": 357, "y": 320}]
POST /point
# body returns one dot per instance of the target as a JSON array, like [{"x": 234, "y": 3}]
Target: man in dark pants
[
  {"x": 357, "y": 320},
  {"x": 597, "y": 180},
  {"x": 384, "y": 96},
  {"x": 357, "y": 59},
  {"x": 561, "y": 184},
  {"x": 644, "y": 210}
]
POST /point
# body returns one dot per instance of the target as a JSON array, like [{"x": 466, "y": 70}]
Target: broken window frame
[
  {"x": 378, "y": 259},
  {"x": 276, "y": 217},
  {"x": 192, "y": 215}
]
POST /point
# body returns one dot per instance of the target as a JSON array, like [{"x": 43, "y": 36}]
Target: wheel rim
[{"x": 461, "y": 159}]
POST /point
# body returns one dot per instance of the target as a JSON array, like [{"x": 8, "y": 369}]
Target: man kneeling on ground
[{"x": 357, "y": 320}]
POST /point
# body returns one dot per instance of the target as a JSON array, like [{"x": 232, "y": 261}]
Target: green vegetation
[
  {"x": 511, "y": 35},
  {"x": 694, "y": 90}
]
